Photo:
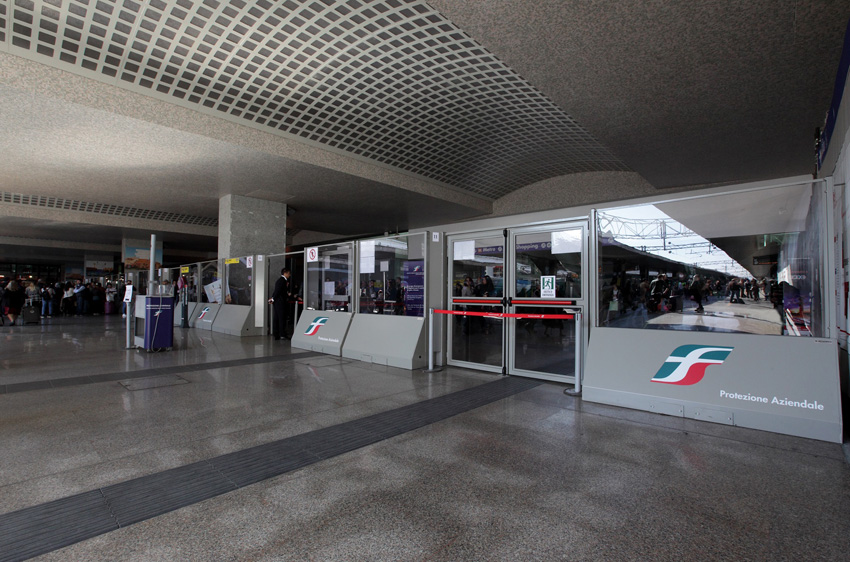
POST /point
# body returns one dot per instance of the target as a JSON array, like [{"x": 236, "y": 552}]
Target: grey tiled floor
[{"x": 538, "y": 476}]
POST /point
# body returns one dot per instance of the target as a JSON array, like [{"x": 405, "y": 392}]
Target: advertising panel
[
  {"x": 414, "y": 287},
  {"x": 137, "y": 254},
  {"x": 97, "y": 266},
  {"x": 776, "y": 384}
]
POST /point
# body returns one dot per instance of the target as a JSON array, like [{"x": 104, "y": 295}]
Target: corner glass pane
[
  {"x": 392, "y": 276},
  {"x": 746, "y": 262},
  {"x": 329, "y": 278},
  {"x": 555, "y": 254}
]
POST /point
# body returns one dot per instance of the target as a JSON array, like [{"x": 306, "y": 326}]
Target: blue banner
[{"x": 414, "y": 288}]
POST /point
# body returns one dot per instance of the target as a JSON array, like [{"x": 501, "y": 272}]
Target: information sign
[{"x": 547, "y": 286}]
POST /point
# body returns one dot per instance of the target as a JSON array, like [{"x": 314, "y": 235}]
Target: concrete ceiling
[{"x": 381, "y": 116}]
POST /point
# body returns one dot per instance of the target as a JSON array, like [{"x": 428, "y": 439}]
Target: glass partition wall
[
  {"x": 392, "y": 276},
  {"x": 329, "y": 277},
  {"x": 210, "y": 282},
  {"x": 239, "y": 280},
  {"x": 746, "y": 262}
]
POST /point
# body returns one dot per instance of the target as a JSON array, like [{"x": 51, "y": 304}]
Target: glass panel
[
  {"x": 329, "y": 278},
  {"x": 477, "y": 339},
  {"x": 544, "y": 345},
  {"x": 478, "y": 267},
  {"x": 392, "y": 276},
  {"x": 210, "y": 282},
  {"x": 555, "y": 254},
  {"x": 192, "y": 279},
  {"x": 168, "y": 281},
  {"x": 741, "y": 263},
  {"x": 239, "y": 281}
]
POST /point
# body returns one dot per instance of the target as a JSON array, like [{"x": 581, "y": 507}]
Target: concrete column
[{"x": 248, "y": 226}]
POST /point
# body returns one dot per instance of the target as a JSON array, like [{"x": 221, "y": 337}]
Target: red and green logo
[{"x": 687, "y": 364}]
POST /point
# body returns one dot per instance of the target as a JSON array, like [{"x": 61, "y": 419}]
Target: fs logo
[
  {"x": 315, "y": 325},
  {"x": 687, "y": 364},
  {"x": 204, "y": 312}
]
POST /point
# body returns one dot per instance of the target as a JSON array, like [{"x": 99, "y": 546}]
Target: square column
[{"x": 248, "y": 226}]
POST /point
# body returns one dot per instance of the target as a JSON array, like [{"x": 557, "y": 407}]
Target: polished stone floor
[{"x": 537, "y": 476}]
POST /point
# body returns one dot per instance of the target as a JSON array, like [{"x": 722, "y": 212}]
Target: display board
[
  {"x": 784, "y": 385},
  {"x": 397, "y": 341},
  {"x": 322, "y": 330}
]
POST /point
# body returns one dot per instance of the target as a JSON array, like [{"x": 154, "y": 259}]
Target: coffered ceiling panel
[{"x": 390, "y": 81}]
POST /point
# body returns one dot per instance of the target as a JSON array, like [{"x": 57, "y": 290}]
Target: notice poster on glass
[
  {"x": 464, "y": 250},
  {"x": 367, "y": 256},
  {"x": 213, "y": 291},
  {"x": 414, "y": 287},
  {"x": 566, "y": 241}
]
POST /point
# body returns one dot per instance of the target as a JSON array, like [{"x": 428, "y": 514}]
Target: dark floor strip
[
  {"x": 47, "y": 527},
  {"x": 152, "y": 372}
]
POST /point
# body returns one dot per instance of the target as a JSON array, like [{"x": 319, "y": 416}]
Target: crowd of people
[
  {"x": 53, "y": 299},
  {"x": 669, "y": 294}
]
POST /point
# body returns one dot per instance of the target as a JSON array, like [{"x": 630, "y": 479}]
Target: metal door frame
[
  {"x": 574, "y": 305},
  {"x": 484, "y": 301}
]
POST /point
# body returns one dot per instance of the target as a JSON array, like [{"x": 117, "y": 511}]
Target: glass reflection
[
  {"x": 329, "y": 278},
  {"x": 544, "y": 345},
  {"x": 477, "y": 339},
  {"x": 741, "y": 263},
  {"x": 392, "y": 276},
  {"x": 478, "y": 267},
  {"x": 239, "y": 281},
  {"x": 549, "y": 253}
]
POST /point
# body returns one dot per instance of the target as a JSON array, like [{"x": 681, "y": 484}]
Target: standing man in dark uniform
[{"x": 280, "y": 303}]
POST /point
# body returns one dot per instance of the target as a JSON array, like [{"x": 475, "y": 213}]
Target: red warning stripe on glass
[
  {"x": 476, "y": 301},
  {"x": 538, "y": 301},
  {"x": 506, "y": 314}
]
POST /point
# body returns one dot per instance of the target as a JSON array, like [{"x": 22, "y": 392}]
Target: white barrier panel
[
  {"x": 178, "y": 313},
  {"x": 236, "y": 320},
  {"x": 322, "y": 330},
  {"x": 204, "y": 315},
  {"x": 397, "y": 341},
  {"x": 780, "y": 384}
]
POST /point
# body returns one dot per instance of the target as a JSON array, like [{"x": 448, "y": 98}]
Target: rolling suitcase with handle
[{"x": 31, "y": 314}]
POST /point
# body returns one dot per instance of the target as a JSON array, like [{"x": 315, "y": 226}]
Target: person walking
[
  {"x": 696, "y": 292},
  {"x": 13, "y": 301}
]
